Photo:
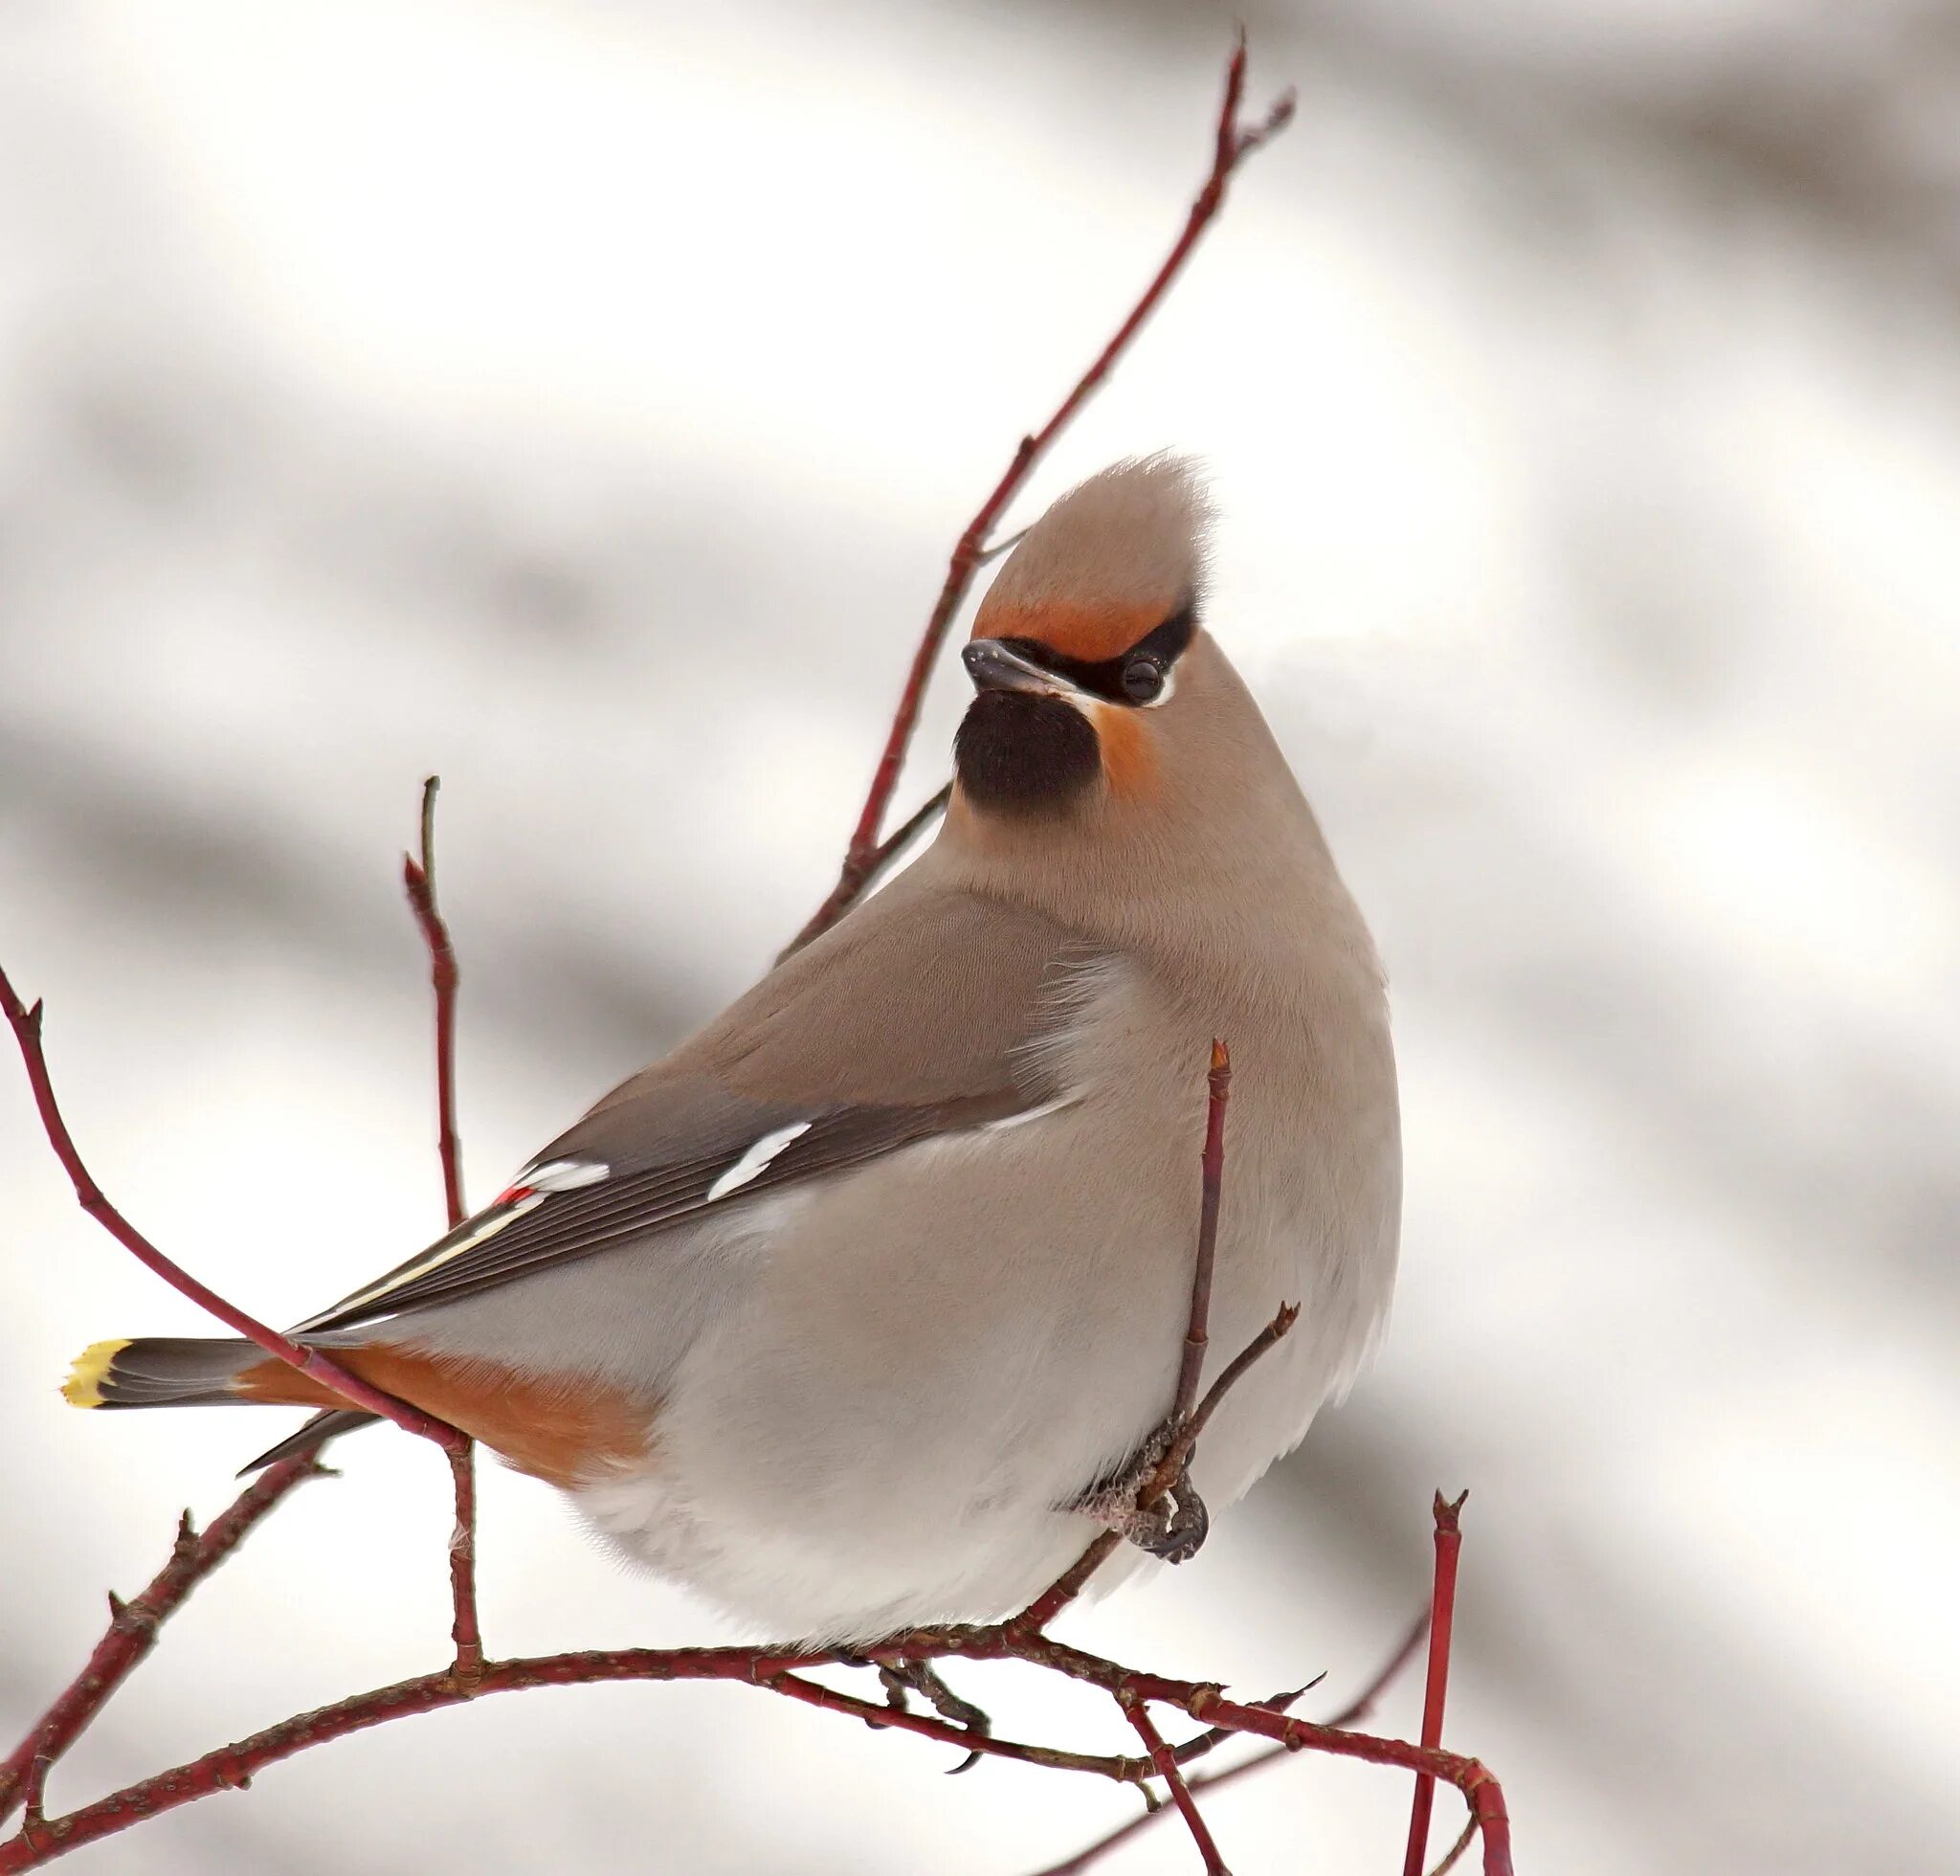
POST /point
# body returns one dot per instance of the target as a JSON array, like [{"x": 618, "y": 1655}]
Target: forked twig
[
  {"x": 133, "y": 1626},
  {"x": 231, "y": 1768},
  {"x": 889, "y": 851},
  {"x": 1185, "y": 1427},
  {"x": 1358, "y": 1708},
  {"x": 1204, "y": 1701},
  {"x": 1232, "y": 143},
  {"x": 1166, "y": 1762},
  {"x": 26, "y": 1024}
]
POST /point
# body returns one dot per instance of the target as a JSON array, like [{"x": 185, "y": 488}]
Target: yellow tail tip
[{"x": 83, "y": 1387}]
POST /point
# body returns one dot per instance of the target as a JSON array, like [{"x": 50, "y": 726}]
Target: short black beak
[{"x": 994, "y": 666}]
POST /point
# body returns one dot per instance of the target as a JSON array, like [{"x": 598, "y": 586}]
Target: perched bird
[{"x": 854, "y": 1311}]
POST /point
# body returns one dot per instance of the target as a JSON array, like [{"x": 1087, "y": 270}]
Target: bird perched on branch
[{"x": 856, "y": 1308}]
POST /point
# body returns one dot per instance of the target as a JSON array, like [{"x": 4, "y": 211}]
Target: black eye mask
[{"x": 1133, "y": 677}]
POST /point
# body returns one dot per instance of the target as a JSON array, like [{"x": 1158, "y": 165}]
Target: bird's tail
[
  {"x": 184, "y": 1371},
  {"x": 161, "y": 1371}
]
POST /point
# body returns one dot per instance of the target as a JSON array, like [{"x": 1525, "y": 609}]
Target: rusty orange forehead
[{"x": 1090, "y": 633}]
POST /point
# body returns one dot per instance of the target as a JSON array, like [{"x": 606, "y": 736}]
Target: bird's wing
[{"x": 909, "y": 1018}]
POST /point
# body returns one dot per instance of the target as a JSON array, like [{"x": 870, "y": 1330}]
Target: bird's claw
[
  {"x": 1171, "y": 1526},
  {"x": 1175, "y": 1527},
  {"x": 921, "y": 1677}
]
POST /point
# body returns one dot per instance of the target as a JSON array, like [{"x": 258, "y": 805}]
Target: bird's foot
[
  {"x": 1172, "y": 1525},
  {"x": 921, "y": 1677}
]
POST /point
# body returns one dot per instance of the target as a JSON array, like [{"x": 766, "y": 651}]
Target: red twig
[
  {"x": 889, "y": 848},
  {"x": 1186, "y": 1422},
  {"x": 1203, "y": 1700},
  {"x": 1357, "y": 1709},
  {"x": 1453, "y": 1854},
  {"x": 1442, "y": 1617},
  {"x": 463, "y": 1627},
  {"x": 26, "y": 1024},
  {"x": 1232, "y": 143},
  {"x": 1229, "y": 1378},
  {"x": 813, "y": 1693},
  {"x": 133, "y": 1626},
  {"x": 231, "y": 1768},
  {"x": 1198, "y": 1745},
  {"x": 1213, "y": 1161},
  {"x": 1166, "y": 1762},
  {"x": 418, "y": 881},
  {"x": 1069, "y": 1585}
]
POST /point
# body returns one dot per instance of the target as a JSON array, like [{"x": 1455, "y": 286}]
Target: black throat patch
[{"x": 1022, "y": 753}]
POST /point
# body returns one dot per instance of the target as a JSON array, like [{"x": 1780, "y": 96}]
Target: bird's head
[{"x": 1087, "y": 658}]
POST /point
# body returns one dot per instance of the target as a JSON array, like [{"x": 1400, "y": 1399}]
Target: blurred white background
[{"x": 580, "y": 399}]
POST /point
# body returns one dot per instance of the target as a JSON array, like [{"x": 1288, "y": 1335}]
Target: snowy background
[{"x": 579, "y": 400}]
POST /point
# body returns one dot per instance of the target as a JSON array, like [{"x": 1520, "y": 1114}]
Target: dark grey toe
[{"x": 1176, "y": 1527}]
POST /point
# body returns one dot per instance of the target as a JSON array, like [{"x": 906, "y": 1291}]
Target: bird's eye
[{"x": 1143, "y": 677}]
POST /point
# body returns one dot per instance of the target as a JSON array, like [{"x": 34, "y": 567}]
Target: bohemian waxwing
[{"x": 844, "y": 1311}]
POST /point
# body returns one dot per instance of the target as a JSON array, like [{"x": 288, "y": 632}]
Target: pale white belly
[{"x": 876, "y": 1433}]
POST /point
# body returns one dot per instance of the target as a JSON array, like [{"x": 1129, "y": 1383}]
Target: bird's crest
[{"x": 1108, "y": 563}]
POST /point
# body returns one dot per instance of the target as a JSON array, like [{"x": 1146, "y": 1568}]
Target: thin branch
[
  {"x": 418, "y": 881},
  {"x": 1442, "y": 1617},
  {"x": 1203, "y": 1700},
  {"x": 1356, "y": 1710},
  {"x": 1269, "y": 1337},
  {"x": 813, "y": 1693},
  {"x": 1453, "y": 1854},
  {"x": 1213, "y": 1161},
  {"x": 464, "y": 1628},
  {"x": 1166, "y": 1762},
  {"x": 1066, "y": 1587},
  {"x": 894, "y": 845},
  {"x": 1199, "y": 1745},
  {"x": 33, "y": 1793},
  {"x": 993, "y": 550},
  {"x": 1185, "y": 1423},
  {"x": 26, "y": 1024},
  {"x": 1232, "y": 143},
  {"x": 889, "y": 850},
  {"x": 133, "y": 1626},
  {"x": 231, "y": 1768}
]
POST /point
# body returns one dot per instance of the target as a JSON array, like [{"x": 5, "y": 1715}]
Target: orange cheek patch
[
  {"x": 558, "y": 1429},
  {"x": 1129, "y": 761},
  {"x": 1090, "y": 633}
]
